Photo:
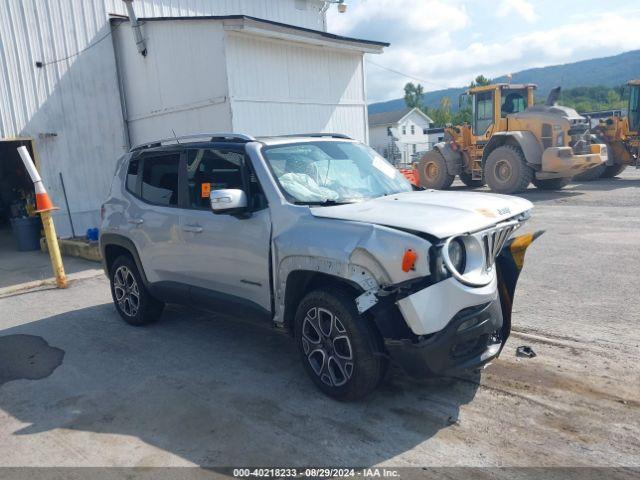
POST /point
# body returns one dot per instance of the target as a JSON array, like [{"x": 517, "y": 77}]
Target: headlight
[{"x": 454, "y": 256}]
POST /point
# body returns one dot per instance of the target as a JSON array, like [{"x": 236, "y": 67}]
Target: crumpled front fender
[{"x": 509, "y": 264}]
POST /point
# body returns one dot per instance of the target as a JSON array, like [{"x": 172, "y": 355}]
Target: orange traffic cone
[
  {"x": 43, "y": 202},
  {"x": 44, "y": 206}
]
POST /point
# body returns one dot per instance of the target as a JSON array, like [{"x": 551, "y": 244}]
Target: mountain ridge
[{"x": 611, "y": 71}]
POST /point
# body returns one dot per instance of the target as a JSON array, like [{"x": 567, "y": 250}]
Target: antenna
[{"x": 175, "y": 136}]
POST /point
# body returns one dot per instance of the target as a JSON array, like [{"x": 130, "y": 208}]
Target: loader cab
[
  {"x": 634, "y": 105},
  {"x": 492, "y": 103}
]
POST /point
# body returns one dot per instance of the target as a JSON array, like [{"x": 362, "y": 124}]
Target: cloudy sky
[{"x": 446, "y": 43}]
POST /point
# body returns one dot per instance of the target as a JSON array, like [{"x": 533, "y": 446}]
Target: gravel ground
[{"x": 201, "y": 389}]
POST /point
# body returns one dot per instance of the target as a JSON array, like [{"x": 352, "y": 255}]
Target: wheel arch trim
[
  {"x": 109, "y": 239},
  {"x": 527, "y": 141},
  {"x": 356, "y": 276}
]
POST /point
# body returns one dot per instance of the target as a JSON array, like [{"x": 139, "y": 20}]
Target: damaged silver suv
[{"x": 323, "y": 238}]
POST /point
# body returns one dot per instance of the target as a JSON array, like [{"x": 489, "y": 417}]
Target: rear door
[
  {"x": 226, "y": 257},
  {"x": 153, "y": 218}
]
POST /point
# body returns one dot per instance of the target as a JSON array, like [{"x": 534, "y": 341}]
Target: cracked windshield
[{"x": 333, "y": 172}]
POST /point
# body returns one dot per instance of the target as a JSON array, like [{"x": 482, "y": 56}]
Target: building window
[
  {"x": 424, "y": 131},
  {"x": 389, "y": 131},
  {"x": 404, "y": 129},
  {"x": 415, "y": 148},
  {"x": 385, "y": 154},
  {"x": 413, "y": 129}
]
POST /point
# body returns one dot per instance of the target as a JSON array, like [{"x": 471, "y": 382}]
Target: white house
[
  {"x": 75, "y": 88},
  {"x": 399, "y": 134}
]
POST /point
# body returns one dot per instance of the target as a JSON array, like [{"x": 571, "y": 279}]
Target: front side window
[
  {"x": 634, "y": 108},
  {"x": 215, "y": 169},
  {"x": 513, "y": 101},
  {"x": 209, "y": 169},
  {"x": 329, "y": 172},
  {"x": 483, "y": 115},
  {"x": 160, "y": 180}
]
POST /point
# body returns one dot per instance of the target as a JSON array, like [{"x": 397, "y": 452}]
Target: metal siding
[
  {"x": 279, "y": 87},
  {"x": 168, "y": 91},
  {"x": 78, "y": 97}
]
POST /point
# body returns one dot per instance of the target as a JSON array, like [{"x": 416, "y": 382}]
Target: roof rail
[
  {"x": 207, "y": 137},
  {"x": 330, "y": 135}
]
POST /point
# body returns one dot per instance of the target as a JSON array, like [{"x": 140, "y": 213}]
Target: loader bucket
[{"x": 509, "y": 264}]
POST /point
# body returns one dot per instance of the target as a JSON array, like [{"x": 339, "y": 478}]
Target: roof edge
[{"x": 332, "y": 36}]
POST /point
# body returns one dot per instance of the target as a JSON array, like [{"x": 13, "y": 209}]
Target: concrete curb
[
  {"x": 48, "y": 283},
  {"x": 76, "y": 248}
]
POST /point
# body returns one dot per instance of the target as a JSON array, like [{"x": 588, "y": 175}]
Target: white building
[
  {"x": 399, "y": 134},
  {"x": 74, "y": 87}
]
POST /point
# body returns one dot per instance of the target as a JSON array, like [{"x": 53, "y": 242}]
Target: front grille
[
  {"x": 494, "y": 239},
  {"x": 579, "y": 139}
]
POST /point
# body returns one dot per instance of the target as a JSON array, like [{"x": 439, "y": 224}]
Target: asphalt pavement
[{"x": 78, "y": 387}]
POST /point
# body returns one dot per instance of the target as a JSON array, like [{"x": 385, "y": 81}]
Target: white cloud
[
  {"x": 439, "y": 42},
  {"x": 522, "y": 8}
]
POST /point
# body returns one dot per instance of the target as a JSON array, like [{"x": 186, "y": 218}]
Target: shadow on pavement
[{"x": 217, "y": 392}]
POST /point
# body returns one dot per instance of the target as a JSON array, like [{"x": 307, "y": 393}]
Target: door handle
[
  {"x": 192, "y": 228},
  {"x": 136, "y": 221}
]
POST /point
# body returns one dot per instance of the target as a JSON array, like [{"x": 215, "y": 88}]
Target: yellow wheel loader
[
  {"x": 622, "y": 137},
  {"x": 511, "y": 142}
]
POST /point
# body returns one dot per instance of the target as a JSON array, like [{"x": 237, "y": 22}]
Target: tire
[
  {"x": 592, "y": 174},
  {"x": 432, "y": 170},
  {"x": 506, "y": 170},
  {"x": 350, "y": 368},
  {"x": 552, "y": 183},
  {"x": 126, "y": 286},
  {"x": 466, "y": 179},
  {"x": 613, "y": 171}
]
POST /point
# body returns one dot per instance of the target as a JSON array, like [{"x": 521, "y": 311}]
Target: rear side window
[
  {"x": 132, "y": 176},
  {"x": 160, "y": 180}
]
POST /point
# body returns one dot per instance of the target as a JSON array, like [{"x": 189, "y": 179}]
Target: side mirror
[{"x": 228, "y": 200}]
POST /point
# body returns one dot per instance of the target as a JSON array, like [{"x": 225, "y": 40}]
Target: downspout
[{"x": 135, "y": 26}]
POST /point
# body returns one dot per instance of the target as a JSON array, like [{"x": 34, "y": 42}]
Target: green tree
[
  {"x": 413, "y": 95},
  {"x": 442, "y": 115},
  {"x": 480, "y": 81}
]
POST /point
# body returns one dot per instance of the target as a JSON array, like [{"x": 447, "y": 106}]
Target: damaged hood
[{"x": 438, "y": 213}]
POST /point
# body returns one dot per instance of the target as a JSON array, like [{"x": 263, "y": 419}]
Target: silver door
[
  {"x": 226, "y": 254},
  {"x": 153, "y": 217}
]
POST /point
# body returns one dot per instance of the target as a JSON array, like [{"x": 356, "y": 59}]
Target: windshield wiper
[{"x": 323, "y": 203}]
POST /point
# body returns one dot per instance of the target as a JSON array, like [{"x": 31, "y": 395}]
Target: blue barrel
[{"x": 26, "y": 231}]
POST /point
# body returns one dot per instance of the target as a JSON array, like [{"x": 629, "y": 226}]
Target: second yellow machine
[{"x": 511, "y": 142}]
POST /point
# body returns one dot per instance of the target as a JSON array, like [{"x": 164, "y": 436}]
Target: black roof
[
  {"x": 328, "y": 35},
  {"x": 386, "y": 118}
]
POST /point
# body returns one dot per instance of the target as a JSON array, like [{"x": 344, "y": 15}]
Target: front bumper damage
[{"x": 475, "y": 334}]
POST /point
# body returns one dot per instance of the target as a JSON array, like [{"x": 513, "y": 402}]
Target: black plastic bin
[{"x": 26, "y": 231}]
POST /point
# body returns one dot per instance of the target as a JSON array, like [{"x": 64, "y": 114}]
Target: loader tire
[
  {"x": 432, "y": 170},
  {"x": 613, "y": 171},
  {"x": 469, "y": 182},
  {"x": 592, "y": 174},
  {"x": 551, "y": 183},
  {"x": 506, "y": 170}
]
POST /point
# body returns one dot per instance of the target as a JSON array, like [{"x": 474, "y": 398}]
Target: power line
[
  {"x": 91, "y": 45},
  {"x": 418, "y": 79}
]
